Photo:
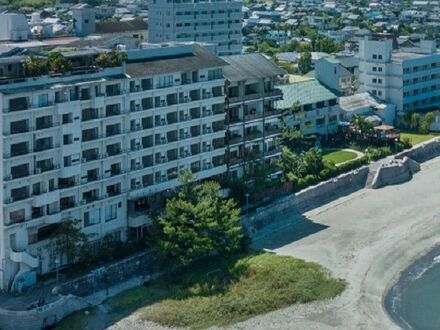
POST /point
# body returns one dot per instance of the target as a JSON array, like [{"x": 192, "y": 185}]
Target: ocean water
[{"x": 414, "y": 301}]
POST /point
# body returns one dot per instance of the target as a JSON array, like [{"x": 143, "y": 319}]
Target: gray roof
[
  {"x": 358, "y": 101},
  {"x": 199, "y": 59},
  {"x": 250, "y": 66},
  {"x": 304, "y": 92},
  {"x": 121, "y": 26}
]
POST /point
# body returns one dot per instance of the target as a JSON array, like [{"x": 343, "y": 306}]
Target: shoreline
[{"x": 371, "y": 259}]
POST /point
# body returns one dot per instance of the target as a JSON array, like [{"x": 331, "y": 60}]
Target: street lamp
[
  {"x": 395, "y": 144},
  {"x": 247, "y": 202}
]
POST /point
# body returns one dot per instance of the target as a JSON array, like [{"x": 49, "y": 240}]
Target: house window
[
  {"x": 374, "y": 57},
  {"x": 380, "y": 57},
  {"x": 374, "y": 69},
  {"x": 380, "y": 69},
  {"x": 91, "y": 217},
  {"x": 111, "y": 212},
  {"x": 374, "y": 80}
]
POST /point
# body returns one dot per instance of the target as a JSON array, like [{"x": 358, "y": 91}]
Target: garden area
[
  {"x": 218, "y": 292},
  {"x": 416, "y": 137},
  {"x": 338, "y": 156}
]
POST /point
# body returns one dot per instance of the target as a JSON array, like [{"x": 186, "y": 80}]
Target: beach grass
[{"x": 225, "y": 291}]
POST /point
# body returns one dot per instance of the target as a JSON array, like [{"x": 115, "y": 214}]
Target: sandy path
[{"x": 368, "y": 238}]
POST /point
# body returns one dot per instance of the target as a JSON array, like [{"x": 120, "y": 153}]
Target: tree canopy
[{"x": 198, "y": 222}]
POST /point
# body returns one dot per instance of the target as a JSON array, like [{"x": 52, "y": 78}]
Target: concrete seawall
[
  {"x": 41, "y": 317},
  {"x": 393, "y": 170}
]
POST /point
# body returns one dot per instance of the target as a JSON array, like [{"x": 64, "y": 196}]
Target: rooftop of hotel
[{"x": 305, "y": 92}]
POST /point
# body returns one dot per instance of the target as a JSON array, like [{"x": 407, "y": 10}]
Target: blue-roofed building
[{"x": 309, "y": 106}]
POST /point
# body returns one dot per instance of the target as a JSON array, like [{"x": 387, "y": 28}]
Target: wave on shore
[{"x": 412, "y": 302}]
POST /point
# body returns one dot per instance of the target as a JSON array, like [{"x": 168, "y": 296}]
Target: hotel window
[
  {"x": 374, "y": 57},
  {"x": 165, "y": 81},
  {"x": 380, "y": 69},
  {"x": 91, "y": 217},
  {"x": 111, "y": 212}
]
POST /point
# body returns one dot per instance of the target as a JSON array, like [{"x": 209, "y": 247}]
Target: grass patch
[
  {"x": 416, "y": 137},
  {"x": 338, "y": 156},
  {"x": 218, "y": 292},
  {"x": 77, "y": 320},
  {"x": 237, "y": 289}
]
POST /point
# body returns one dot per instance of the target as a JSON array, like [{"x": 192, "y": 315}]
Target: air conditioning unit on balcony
[
  {"x": 163, "y": 120},
  {"x": 163, "y": 178},
  {"x": 163, "y": 102},
  {"x": 38, "y": 170},
  {"x": 207, "y": 147}
]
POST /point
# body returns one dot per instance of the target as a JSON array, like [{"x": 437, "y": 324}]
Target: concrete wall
[
  {"x": 395, "y": 172},
  {"x": 422, "y": 152},
  {"x": 308, "y": 199},
  {"x": 41, "y": 317}
]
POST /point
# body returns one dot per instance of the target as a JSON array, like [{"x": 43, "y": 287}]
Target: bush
[
  {"x": 373, "y": 154},
  {"x": 111, "y": 59},
  {"x": 403, "y": 144}
]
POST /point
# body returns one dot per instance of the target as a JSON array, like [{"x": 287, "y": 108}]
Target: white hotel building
[
  {"x": 101, "y": 145},
  {"x": 209, "y": 21},
  {"x": 407, "y": 77}
]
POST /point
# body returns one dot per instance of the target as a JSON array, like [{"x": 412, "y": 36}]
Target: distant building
[
  {"x": 337, "y": 73},
  {"x": 217, "y": 22},
  {"x": 313, "y": 108},
  {"x": 13, "y": 27},
  {"x": 407, "y": 77},
  {"x": 83, "y": 20},
  {"x": 136, "y": 29}
]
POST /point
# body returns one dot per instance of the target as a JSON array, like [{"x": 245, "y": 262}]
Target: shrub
[
  {"x": 373, "y": 154},
  {"x": 111, "y": 59}
]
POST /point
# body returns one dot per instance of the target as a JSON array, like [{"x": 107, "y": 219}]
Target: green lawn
[
  {"x": 416, "y": 137},
  {"x": 338, "y": 156},
  {"x": 224, "y": 292}
]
